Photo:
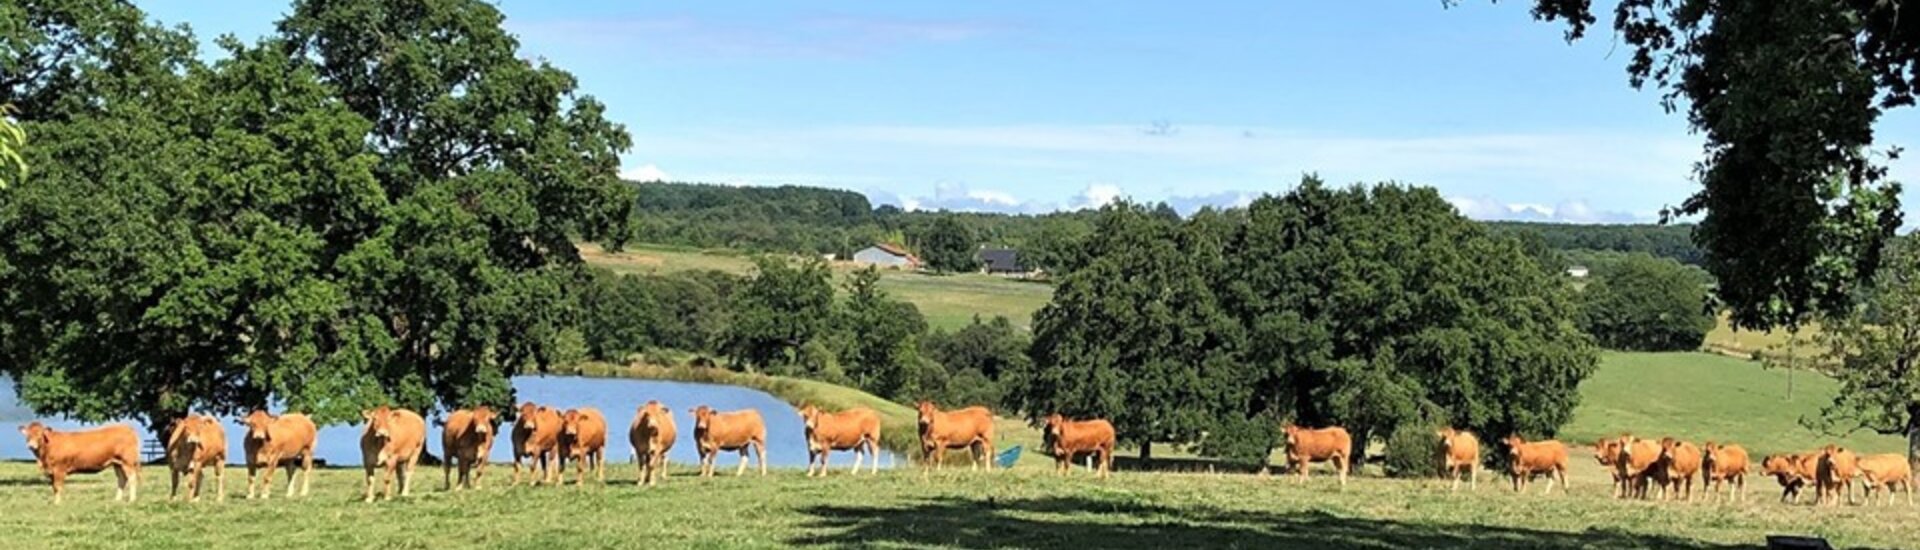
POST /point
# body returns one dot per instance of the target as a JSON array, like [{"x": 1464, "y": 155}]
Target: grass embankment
[
  {"x": 1021, "y": 508},
  {"x": 947, "y": 301},
  {"x": 1698, "y": 396}
]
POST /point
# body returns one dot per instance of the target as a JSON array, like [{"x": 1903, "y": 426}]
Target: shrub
[{"x": 1413, "y": 450}]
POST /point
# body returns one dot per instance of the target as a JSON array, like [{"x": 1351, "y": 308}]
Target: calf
[
  {"x": 536, "y": 437},
  {"x": 1885, "y": 473},
  {"x": 1837, "y": 468},
  {"x": 1606, "y": 451},
  {"x": 1793, "y": 471},
  {"x": 969, "y": 428},
  {"x": 273, "y": 440},
  {"x": 467, "y": 440},
  {"x": 1460, "y": 454},
  {"x": 1066, "y": 438},
  {"x": 652, "y": 436},
  {"x": 714, "y": 432},
  {"x": 1307, "y": 446},
  {"x": 1637, "y": 465},
  {"x": 856, "y": 429},
  {"x": 1530, "y": 459},
  {"x": 391, "y": 447},
  {"x": 86, "y": 452},
  {"x": 583, "y": 438},
  {"x": 197, "y": 442},
  {"x": 1723, "y": 464},
  {"x": 1681, "y": 460}
]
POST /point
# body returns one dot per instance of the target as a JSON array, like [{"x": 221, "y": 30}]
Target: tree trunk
[
  {"x": 1913, "y": 436},
  {"x": 1146, "y": 454}
]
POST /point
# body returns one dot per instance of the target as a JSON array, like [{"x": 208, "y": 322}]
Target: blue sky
[{"x": 1025, "y": 106}]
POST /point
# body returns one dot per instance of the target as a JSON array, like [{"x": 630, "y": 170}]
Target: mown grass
[
  {"x": 1021, "y": 508},
  {"x": 1699, "y": 396},
  {"x": 947, "y": 301}
]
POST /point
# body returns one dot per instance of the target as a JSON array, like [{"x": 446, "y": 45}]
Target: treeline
[
  {"x": 786, "y": 318},
  {"x": 812, "y": 220}
]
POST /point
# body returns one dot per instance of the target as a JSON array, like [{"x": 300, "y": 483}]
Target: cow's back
[
  {"x": 1543, "y": 455},
  {"x": 655, "y": 435},
  {"x": 592, "y": 430},
  {"x": 92, "y": 450},
  {"x": 735, "y": 429},
  {"x": 408, "y": 433},
  {"x": 1322, "y": 444},
  {"x": 1465, "y": 448},
  {"x": 968, "y": 424},
  {"x": 1730, "y": 460},
  {"x": 846, "y": 428},
  {"x": 291, "y": 433},
  {"x": 1884, "y": 468},
  {"x": 544, "y": 436},
  {"x": 1086, "y": 435}
]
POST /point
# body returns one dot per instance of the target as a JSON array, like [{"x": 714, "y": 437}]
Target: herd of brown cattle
[
  {"x": 543, "y": 438},
  {"x": 546, "y": 438}
]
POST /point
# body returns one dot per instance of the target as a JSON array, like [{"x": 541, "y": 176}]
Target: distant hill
[{"x": 817, "y": 220}]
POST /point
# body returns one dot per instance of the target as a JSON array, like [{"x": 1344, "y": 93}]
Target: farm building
[
  {"x": 1577, "y": 272},
  {"x": 886, "y": 255},
  {"x": 1001, "y": 261}
]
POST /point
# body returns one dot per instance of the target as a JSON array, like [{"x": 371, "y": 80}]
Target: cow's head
[
  {"x": 195, "y": 427},
  {"x": 483, "y": 419},
  {"x": 1668, "y": 446},
  {"x": 1783, "y": 466},
  {"x": 529, "y": 416},
  {"x": 1513, "y": 444},
  {"x": 649, "y": 414},
  {"x": 1449, "y": 437},
  {"x": 1623, "y": 449},
  {"x": 927, "y": 410},
  {"x": 1606, "y": 451},
  {"x": 257, "y": 423},
  {"x": 1830, "y": 450},
  {"x": 36, "y": 436},
  {"x": 810, "y": 416},
  {"x": 1055, "y": 423},
  {"x": 379, "y": 421},
  {"x": 570, "y": 422},
  {"x": 702, "y": 417},
  {"x": 1709, "y": 453},
  {"x": 1293, "y": 433}
]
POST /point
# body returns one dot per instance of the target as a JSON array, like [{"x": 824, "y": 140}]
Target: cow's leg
[
  {"x": 174, "y": 492},
  {"x": 1346, "y": 465},
  {"x": 406, "y": 488},
  {"x": 292, "y": 475},
  {"x": 306, "y": 479},
  {"x": 133, "y": 479},
  {"x": 600, "y": 465},
  {"x": 59, "y": 485},
  {"x": 252, "y": 472},
  {"x": 516, "y": 467},
  {"x": 371, "y": 479},
  {"x": 446, "y": 470},
  {"x": 193, "y": 490},
  {"x": 120, "y": 487},
  {"x": 986, "y": 454},
  {"x": 742, "y": 470}
]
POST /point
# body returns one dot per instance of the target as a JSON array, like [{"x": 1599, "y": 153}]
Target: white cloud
[
  {"x": 1573, "y": 211},
  {"x": 645, "y": 172},
  {"x": 682, "y": 37},
  {"x": 1098, "y": 195}
]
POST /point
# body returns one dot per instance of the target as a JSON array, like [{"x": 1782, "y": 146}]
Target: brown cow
[
  {"x": 1680, "y": 460},
  {"x": 652, "y": 436},
  {"x": 1530, "y": 459},
  {"x": 1460, "y": 454},
  {"x": 273, "y": 440},
  {"x": 1835, "y": 474},
  {"x": 1723, "y": 464},
  {"x": 1065, "y": 438},
  {"x": 741, "y": 430},
  {"x": 1793, "y": 471},
  {"x": 856, "y": 429},
  {"x": 1306, "y": 446},
  {"x": 197, "y": 442},
  {"x": 536, "y": 437},
  {"x": 1607, "y": 452},
  {"x": 467, "y": 440},
  {"x": 391, "y": 447},
  {"x": 583, "y": 438},
  {"x": 1637, "y": 466},
  {"x": 86, "y": 452},
  {"x": 1885, "y": 473},
  {"x": 969, "y": 428}
]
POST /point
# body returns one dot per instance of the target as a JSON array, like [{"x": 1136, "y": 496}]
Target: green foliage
[
  {"x": 1795, "y": 206},
  {"x": 948, "y": 246},
  {"x": 1374, "y": 307},
  {"x": 1135, "y": 335},
  {"x": 1877, "y": 353},
  {"x": 782, "y": 307},
  {"x": 373, "y": 207},
  {"x": 616, "y": 313},
  {"x": 1413, "y": 450},
  {"x": 992, "y": 348},
  {"x": 882, "y": 338},
  {"x": 1642, "y": 303}
]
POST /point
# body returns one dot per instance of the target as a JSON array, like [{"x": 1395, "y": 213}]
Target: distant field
[
  {"x": 1744, "y": 343},
  {"x": 949, "y": 301},
  {"x": 1700, "y": 396}
]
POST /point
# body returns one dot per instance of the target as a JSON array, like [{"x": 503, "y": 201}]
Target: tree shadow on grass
[{"x": 1069, "y": 522}]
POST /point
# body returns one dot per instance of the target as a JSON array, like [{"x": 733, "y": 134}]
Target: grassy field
[
  {"x": 1700, "y": 396},
  {"x": 948, "y": 301},
  {"x": 1020, "y": 508},
  {"x": 1724, "y": 339}
]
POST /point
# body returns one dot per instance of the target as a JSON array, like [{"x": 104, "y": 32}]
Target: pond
[{"x": 617, "y": 398}]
